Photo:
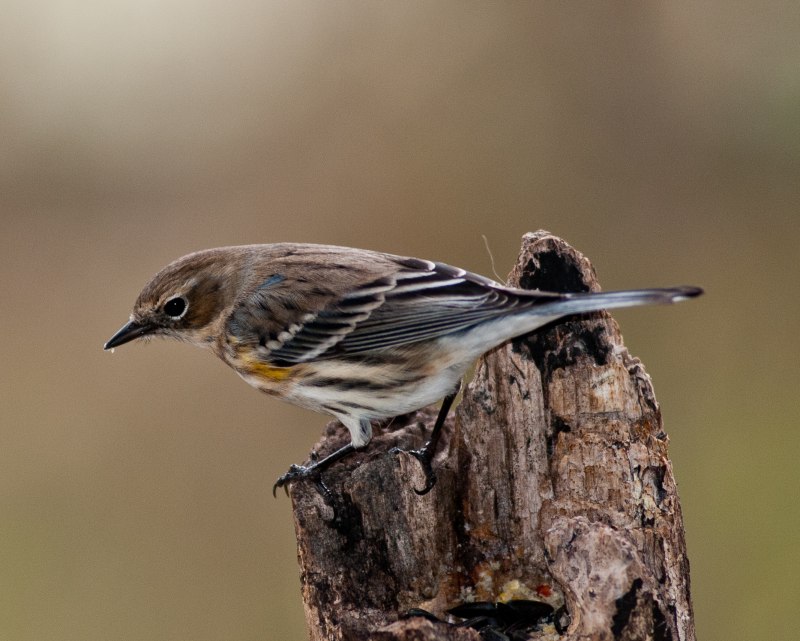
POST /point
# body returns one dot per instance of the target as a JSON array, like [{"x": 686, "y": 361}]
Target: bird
[{"x": 358, "y": 334}]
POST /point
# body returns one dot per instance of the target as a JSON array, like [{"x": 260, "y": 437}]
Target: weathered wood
[{"x": 554, "y": 484}]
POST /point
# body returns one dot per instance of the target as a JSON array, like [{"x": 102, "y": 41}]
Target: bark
[{"x": 554, "y": 484}]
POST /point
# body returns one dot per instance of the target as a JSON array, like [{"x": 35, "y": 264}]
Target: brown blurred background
[{"x": 663, "y": 140}]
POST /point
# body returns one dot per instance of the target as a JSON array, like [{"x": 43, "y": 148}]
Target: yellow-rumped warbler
[{"x": 357, "y": 334}]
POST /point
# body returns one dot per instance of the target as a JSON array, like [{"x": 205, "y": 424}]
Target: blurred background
[{"x": 661, "y": 139}]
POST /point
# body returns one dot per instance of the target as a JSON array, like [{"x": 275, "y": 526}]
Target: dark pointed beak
[{"x": 127, "y": 333}]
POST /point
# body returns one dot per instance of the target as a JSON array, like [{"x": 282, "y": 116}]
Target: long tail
[{"x": 578, "y": 303}]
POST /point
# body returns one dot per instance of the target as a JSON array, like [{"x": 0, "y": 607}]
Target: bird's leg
[
  {"x": 425, "y": 454},
  {"x": 297, "y": 472}
]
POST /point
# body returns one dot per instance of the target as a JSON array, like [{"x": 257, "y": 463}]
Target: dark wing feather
[
  {"x": 324, "y": 330},
  {"x": 421, "y": 301}
]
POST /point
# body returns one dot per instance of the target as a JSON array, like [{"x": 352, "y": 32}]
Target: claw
[
  {"x": 295, "y": 472},
  {"x": 425, "y": 454},
  {"x": 313, "y": 471},
  {"x": 425, "y": 460}
]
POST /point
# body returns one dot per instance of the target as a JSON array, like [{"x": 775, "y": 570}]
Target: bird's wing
[{"x": 420, "y": 301}]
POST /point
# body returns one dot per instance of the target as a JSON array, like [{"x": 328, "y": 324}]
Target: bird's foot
[
  {"x": 303, "y": 473},
  {"x": 425, "y": 457},
  {"x": 294, "y": 473},
  {"x": 313, "y": 472}
]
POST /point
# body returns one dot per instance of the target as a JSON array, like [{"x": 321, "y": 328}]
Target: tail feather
[{"x": 593, "y": 301}]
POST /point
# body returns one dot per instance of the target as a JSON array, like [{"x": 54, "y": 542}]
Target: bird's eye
[{"x": 175, "y": 307}]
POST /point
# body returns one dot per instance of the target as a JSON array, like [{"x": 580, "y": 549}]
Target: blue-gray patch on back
[{"x": 272, "y": 280}]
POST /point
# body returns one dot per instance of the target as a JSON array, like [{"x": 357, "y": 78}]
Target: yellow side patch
[
  {"x": 260, "y": 369},
  {"x": 268, "y": 371}
]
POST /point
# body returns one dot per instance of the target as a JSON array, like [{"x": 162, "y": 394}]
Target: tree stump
[{"x": 554, "y": 485}]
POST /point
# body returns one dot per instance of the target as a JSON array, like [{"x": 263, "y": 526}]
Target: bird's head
[{"x": 183, "y": 300}]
